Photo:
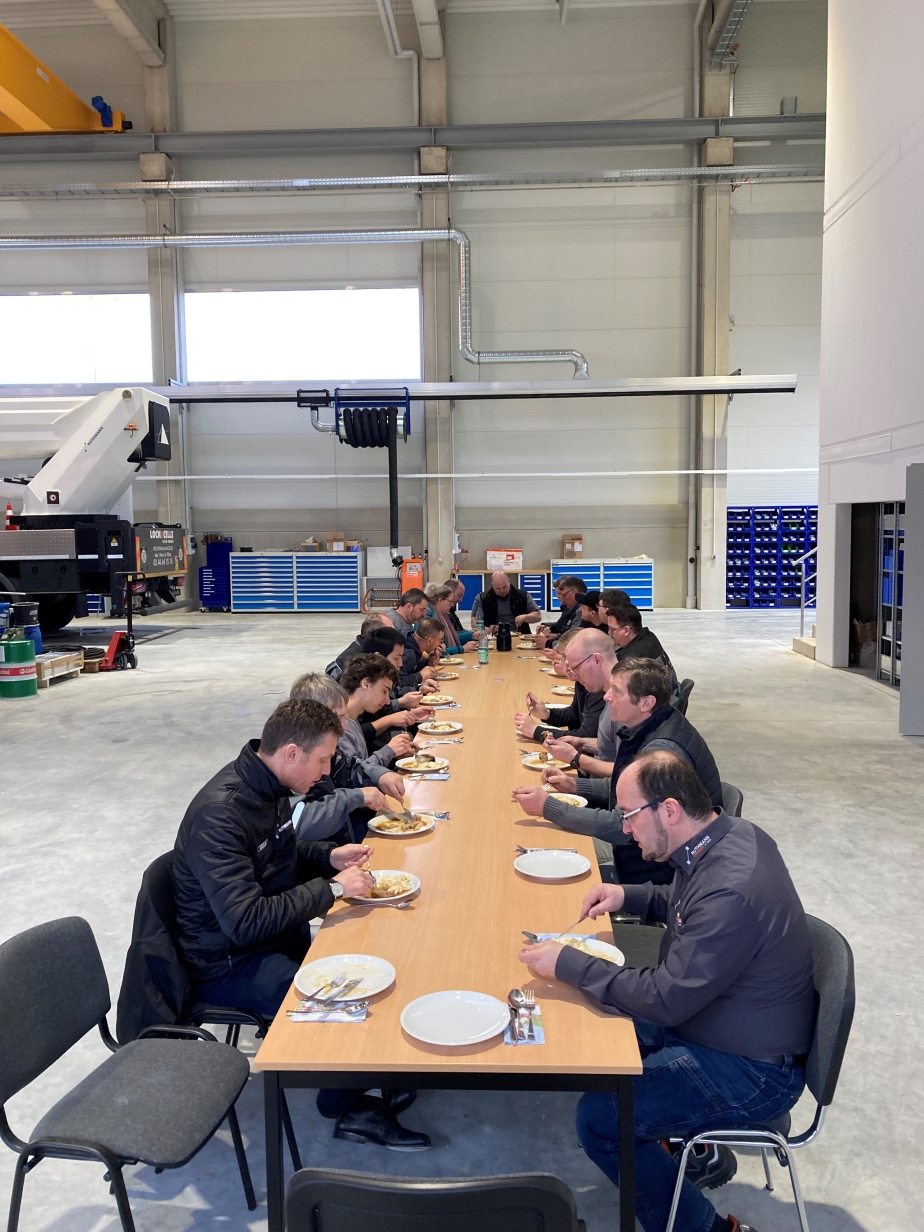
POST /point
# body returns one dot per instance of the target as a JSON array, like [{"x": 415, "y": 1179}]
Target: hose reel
[{"x": 372, "y": 419}]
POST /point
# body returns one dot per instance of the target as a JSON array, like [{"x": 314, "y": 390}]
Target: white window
[
  {"x": 347, "y": 335},
  {"x": 75, "y": 339}
]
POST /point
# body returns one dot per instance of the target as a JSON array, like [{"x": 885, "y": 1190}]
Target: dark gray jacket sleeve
[
  {"x": 719, "y": 938},
  {"x": 596, "y": 790},
  {"x": 218, "y": 857},
  {"x": 605, "y": 824},
  {"x": 320, "y": 819}
]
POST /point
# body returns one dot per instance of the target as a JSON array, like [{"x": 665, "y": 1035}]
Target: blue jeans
[{"x": 684, "y": 1089}]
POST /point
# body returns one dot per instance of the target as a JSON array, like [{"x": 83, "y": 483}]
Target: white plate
[
  {"x": 376, "y": 972},
  {"x": 445, "y": 728},
  {"x": 437, "y": 699},
  {"x": 563, "y": 690},
  {"x": 395, "y": 898},
  {"x": 601, "y": 949},
  {"x": 551, "y": 865},
  {"x": 431, "y": 822},
  {"x": 550, "y": 671},
  {"x": 455, "y": 1018},
  {"x": 531, "y": 763},
  {"x": 416, "y": 767},
  {"x": 443, "y": 675},
  {"x": 567, "y": 798}
]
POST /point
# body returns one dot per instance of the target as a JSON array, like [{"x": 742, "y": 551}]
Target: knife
[{"x": 338, "y": 993}]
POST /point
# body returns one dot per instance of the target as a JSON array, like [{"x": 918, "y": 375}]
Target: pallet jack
[{"x": 120, "y": 654}]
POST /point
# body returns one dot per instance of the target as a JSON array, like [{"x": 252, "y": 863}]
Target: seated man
[
  {"x": 342, "y": 801},
  {"x": 422, "y": 649},
  {"x": 368, "y": 682},
  {"x": 458, "y": 594},
  {"x": 589, "y": 603},
  {"x": 635, "y": 641},
  {"x": 589, "y": 658},
  {"x": 569, "y": 590},
  {"x": 639, "y": 701},
  {"x": 724, "y": 1021},
  {"x": 506, "y": 604},
  {"x": 391, "y": 645},
  {"x": 247, "y": 889},
  {"x": 608, "y": 599},
  {"x": 372, "y": 623},
  {"x": 409, "y": 609},
  {"x": 455, "y": 641}
]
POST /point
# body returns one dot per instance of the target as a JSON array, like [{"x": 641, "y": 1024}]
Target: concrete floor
[{"x": 95, "y": 775}]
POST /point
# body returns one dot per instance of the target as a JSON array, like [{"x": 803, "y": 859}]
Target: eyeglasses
[
  {"x": 624, "y": 817},
  {"x": 575, "y": 666}
]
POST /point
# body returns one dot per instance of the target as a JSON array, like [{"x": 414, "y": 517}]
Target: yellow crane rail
[{"x": 34, "y": 100}]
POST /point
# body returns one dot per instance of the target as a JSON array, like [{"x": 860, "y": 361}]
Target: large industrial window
[
  {"x": 347, "y": 335},
  {"x": 74, "y": 339}
]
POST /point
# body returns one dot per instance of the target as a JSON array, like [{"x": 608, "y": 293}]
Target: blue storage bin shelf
[{"x": 762, "y": 542}]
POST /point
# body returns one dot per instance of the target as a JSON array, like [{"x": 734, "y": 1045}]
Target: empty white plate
[
  {"x": 552, "y": 865},
  {"x": 454, "y": 1018},
  {"x": 376, "y": 973}
]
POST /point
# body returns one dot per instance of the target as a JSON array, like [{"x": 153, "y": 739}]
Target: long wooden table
[{"x": 462, "y": 932}]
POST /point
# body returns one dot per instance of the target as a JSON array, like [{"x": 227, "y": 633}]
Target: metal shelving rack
[
  {"x": 891, "y": 579},
  {"x": 763, "y": 543}
]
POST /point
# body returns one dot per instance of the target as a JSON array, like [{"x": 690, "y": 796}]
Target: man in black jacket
[
  {"x": 370, "y": 626},
  {"x": 639, "y": 701},
  {"x": 246, "y": 889},
  {"x": 589, "y": 657},
  {"x": 504, "y": 603},
  {"x": 422, "y": 647},
  {"x": 570, "y": 590}
]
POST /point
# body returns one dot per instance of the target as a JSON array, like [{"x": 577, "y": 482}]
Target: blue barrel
[{"x": 34, "y": 634}]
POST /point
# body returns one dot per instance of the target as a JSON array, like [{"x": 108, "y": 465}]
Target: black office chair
[
  {"x": 681, "y": 701},
  {"x": 156, "y": 987},
  {"x": 328, "y": 1200},
  {"x": 835, "y": 995},
  {"x": 155, "y": 1101},
  {"x": 732, "y": 799}
]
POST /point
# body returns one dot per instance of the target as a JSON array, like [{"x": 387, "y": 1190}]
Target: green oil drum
[{"x": 17, "y": 665}]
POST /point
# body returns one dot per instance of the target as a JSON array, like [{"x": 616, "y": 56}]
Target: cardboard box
[
  {"x": 572, "y": 546},
  {"x": 335, "y": 541},
  {"x": 310, "y": 545},
  {"x": 510, "y": 560}
]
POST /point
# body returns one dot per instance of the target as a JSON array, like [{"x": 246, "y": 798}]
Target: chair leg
[
  {"x": 121, "y": 1197},
  {"x": 290, "y": 1132},
  {"x": 797, "y": 1192},
  {"x": 19, "y": 1180},
  {"x": 241, "y": 1159},
  {"x": 681, "y": 1173},
  {"x": 765, "y": 1156}
]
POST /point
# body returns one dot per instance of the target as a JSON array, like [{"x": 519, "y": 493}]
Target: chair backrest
[
  {"x": 681, "y": 701},
  {"x": 835, "y": 992},
  {"x": 327, "y": 1200},
  {"x": 53, "y": 990},
  {"x": 156, "y": 988},
  {"x": 732, "y": 799}
]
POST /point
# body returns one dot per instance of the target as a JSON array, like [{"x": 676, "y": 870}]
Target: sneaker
[{"x": 708, "y": 1166}]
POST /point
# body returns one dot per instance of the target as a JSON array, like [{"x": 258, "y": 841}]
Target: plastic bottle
[{"x": 482, "y": 646}]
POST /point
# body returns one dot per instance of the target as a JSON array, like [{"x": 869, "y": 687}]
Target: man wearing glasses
[
  {"x": 725, "y": 1019},
  {"x": 590, "y": 656}
]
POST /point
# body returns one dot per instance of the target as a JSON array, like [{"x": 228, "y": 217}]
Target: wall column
[
  {"x": 832, "y": 585},
  {"x": 911, "y": 707}
]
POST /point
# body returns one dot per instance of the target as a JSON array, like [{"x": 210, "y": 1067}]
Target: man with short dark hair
[
  {"x": 504, "y": 603},
  {"x": 639, "y": 701},
  {"x": 247, "y": 889},
  {"x": 422, "y": 648},
  {"x": 382, "y": 712},
  {"x": 410, "y": 608},
  {"x": 589, "y": 603},
  {"x": 373, "y": 622},
  {"x": 725, "y": 1019},
  {"x": 569, "y": 590}
]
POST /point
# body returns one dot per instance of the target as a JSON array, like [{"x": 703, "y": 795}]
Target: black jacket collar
[
  {"x": 253, "y": 771},
  {"x": 641, "y": 730},
  {"x": 688, "y": 857}
]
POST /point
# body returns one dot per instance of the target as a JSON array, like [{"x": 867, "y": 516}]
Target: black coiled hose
[{"x": 372, "y": 427}]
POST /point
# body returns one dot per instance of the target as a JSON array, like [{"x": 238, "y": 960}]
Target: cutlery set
[{"x": 522, "y": 1004}]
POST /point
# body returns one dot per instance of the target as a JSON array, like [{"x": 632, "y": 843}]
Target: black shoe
[
  {"x": 370, "y": 1121},
  {"x": 398, "y": 1101},
  {"x": 708, "y": 1166}
]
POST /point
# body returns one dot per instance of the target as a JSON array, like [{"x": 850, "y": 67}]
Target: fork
[
  {"x": 530, "y": 1005},
  {"x": 525, "y": 851},
  {"x": 337, "y": 982}
]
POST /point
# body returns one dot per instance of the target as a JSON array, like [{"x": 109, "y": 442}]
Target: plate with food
[
  {"x": 567, "y": 798},
  {"x": 422, "y": 761},
  {"x": 399, "y": 827},
  {"x": 391, "y": 886},
  {"x": 543, "y": 761},
  {"x": 438, "y": 699},
  {"x": 526, "y": 643},
  {"x": 455, "y": 1018},
  {"x": 590, "y": 945},
  {"x": 552, "y": 864},
  {"x": 439, "y": 727},
  {"x": 374, "y": 975},
  {"x": 549, "y": 671},
  {"x": 563, "y": 690},
  {"x": 444, "y": 675}
]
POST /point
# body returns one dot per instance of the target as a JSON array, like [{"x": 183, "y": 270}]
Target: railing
[{"x": 805, "y": 580}]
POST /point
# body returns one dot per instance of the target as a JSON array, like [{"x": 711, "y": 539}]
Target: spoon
[{"x": 516, "y": 1000}]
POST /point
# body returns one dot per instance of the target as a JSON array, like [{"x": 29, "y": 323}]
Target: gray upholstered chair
[
  {"x": 155, "y": 1101},
  {"x": 682, "y": 700},
  {"x": 835, "y": 998},
  {"x": 732, "y": 799},
  {"x": 326, "y": 1200}
]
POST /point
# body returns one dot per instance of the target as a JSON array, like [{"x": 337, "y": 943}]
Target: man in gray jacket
[{"x": 726, "y": 1018}]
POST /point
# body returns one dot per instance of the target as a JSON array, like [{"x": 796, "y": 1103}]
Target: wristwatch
[
  {"x": 576, "y": 760},
  {"x": 336, "y": 889}
]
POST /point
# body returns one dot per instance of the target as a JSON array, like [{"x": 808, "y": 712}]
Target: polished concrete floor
[{"x": 96, "y": 773}]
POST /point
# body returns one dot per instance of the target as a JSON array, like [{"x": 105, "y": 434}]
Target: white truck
[{"x": 75, "y": 534}]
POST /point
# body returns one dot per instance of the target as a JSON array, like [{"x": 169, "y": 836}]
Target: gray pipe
[{"x": 33, "y": 243}]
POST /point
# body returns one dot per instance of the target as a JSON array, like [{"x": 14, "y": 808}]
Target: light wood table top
[{"x": 464, "y": 929}]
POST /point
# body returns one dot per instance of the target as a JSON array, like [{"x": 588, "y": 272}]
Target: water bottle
[{"x": 482, "y": 646}]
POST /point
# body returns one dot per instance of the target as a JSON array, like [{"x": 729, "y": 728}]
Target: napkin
[{"x": 537, "y": 1029}]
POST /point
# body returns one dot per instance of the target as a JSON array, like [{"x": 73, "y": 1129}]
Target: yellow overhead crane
[{"x": 34, "y": 100}]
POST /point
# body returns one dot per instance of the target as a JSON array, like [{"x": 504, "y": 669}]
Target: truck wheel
[{"x": 56, "y": 611}]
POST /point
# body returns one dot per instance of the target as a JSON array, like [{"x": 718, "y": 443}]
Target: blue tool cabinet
[
  {"x": 635, "y": 577},
  {"x": 762, "y": 544},
  {"x": 296, "y": 581}
]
